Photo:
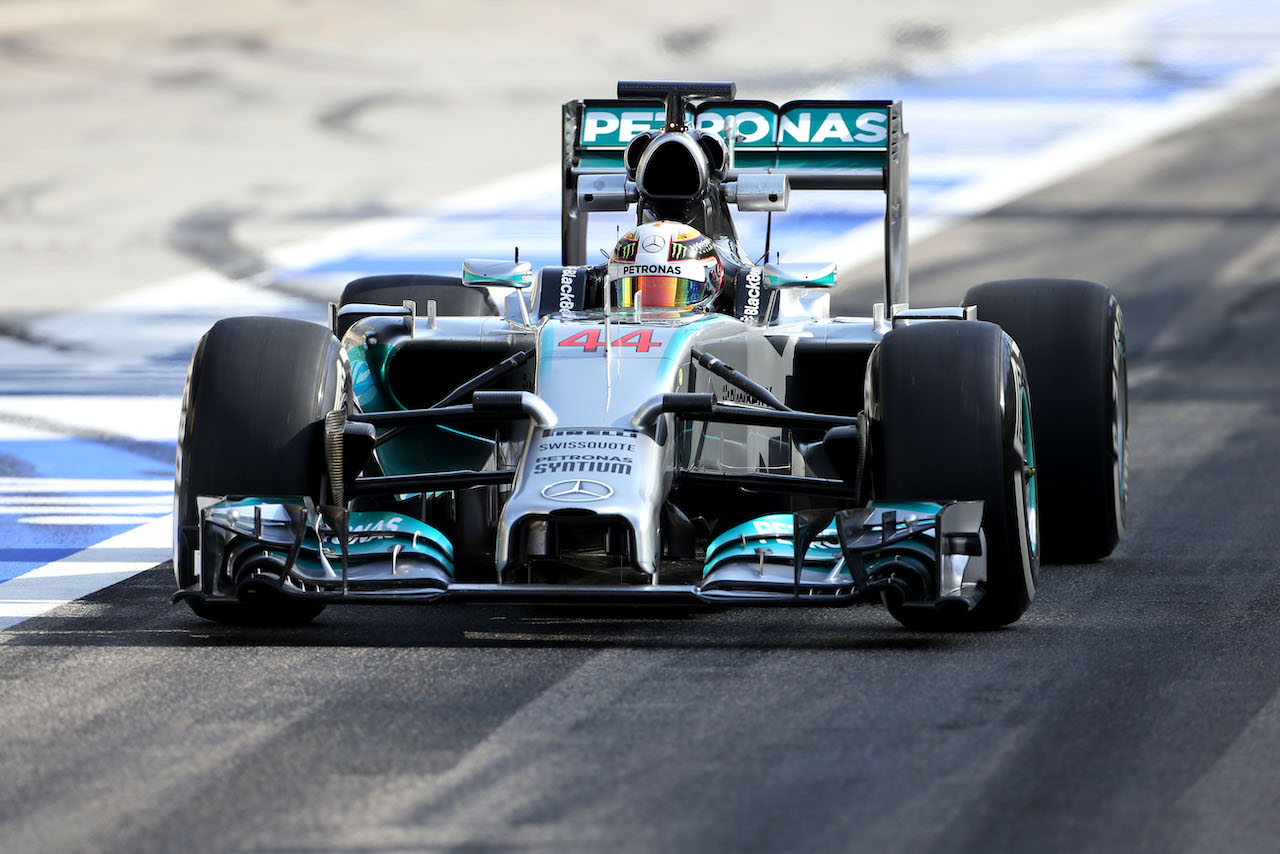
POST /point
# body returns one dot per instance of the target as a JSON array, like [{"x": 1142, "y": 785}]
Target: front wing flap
[{"x": 911, "y": 554}]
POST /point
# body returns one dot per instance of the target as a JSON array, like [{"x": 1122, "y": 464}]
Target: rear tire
[
  {"x": 949, "y": 419},
  {"x": 252, "y": 424},
  {"x": 452, "y": 298},
  {"x": 1071, "y": 335}
]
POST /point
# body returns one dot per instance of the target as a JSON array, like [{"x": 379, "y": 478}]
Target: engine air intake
[{"x": 673, "y": 168}]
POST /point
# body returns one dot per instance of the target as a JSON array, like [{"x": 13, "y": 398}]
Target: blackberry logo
[
  {"x": 566, "y": 288},
  {"x": 751, "y": 306}
]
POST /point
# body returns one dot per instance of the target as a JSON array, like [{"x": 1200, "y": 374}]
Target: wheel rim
[
  {"x": 1120, "y": 427},
  {"x": 1030, "y": 487}
]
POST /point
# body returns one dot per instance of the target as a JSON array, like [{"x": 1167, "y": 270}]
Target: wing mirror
[
  {"x": 758, "y": 191},
  {"x": 609, "y": 192}
]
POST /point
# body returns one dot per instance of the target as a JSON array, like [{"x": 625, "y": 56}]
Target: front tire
[
  {"x": 949, "y": 419},
  {"x": 257, "y": 391}
]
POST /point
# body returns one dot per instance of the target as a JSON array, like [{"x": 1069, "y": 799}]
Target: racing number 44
[{"x": 590, "y": 340}]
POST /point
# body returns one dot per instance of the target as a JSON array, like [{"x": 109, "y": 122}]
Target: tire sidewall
[
  {"x": 1021, "y": 562},
  {"x": 950, "y": 420},
  {"x": 184, "y": 502},
  {"x": 1071, "y": 336},
  {"x": 299, "y": 370}
]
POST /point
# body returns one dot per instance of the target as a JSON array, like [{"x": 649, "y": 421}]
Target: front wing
[{"x": 913, "y": 554}]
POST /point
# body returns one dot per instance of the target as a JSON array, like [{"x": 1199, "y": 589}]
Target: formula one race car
[{"x": 675, "y": 425}]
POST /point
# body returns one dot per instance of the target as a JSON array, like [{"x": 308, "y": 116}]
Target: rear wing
[{"x": 816, "y": 144}]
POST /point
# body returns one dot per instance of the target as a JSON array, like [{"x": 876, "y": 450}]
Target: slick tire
[
  {"x": 1071, "y": 335},
  {"x": 949, "y": 419},
  {"x": 452, "y": 298},
  {"x": 253, "y": 409}
]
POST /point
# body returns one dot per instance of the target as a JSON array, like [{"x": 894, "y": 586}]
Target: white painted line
[
  {"x": 1049, "y": 138},
  {"x": 1121, "y": 128},
  {"x": 164, "y": 319},
  {"x": 54, "y": 584},
  {"x": 139, "y": 516},
  {"x": 25, "y": 433},
  {"x": 391, "y": 231},
  {"x": 131, "y": 509},
  {"x": 148, "y": 419},
  {"x": 47, "y": 501},
  {"x": 55, "y": 485}
]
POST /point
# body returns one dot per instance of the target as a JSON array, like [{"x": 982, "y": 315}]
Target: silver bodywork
[
  {"x": 603, "y": 416},
  {"x": 583, "y": 450}
]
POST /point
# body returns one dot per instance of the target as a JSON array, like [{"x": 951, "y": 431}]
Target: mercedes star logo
[
  {"x": 654, "y": 243},
  {"x": 577, "y": 490}
]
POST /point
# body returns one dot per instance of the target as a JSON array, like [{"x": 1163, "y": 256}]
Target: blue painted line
[
  {"x": 84, "y": 458},
  {"x": 33, "y": 546},
  {"x": 447, "y": 260},
  {"x": 25, "y": 546},
  {"x": 1173, "y": 49},
  {"x": 34, "y": 556},
  {"x": 357, "y": 265},
  {"x": 1078, "y": 82},
  {"x": 1079, "y": 79}
]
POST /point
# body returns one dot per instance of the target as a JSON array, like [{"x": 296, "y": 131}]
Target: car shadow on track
[{"x": 136, "y": 613}]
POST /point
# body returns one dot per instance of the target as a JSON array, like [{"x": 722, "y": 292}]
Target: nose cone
[{"x": 575, "y": 477}]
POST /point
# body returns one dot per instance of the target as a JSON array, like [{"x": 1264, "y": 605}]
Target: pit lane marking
[{"x": 1221, "y": 51}]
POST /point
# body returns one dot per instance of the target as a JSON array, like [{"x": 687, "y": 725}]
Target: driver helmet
[{"x": 664, "y": 264}]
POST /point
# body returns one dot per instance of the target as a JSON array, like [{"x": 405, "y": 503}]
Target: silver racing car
[{"x": 677, "y": 424}]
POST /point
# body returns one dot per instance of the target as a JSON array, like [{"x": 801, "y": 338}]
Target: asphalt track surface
[{"x": 1136, "y": 707}]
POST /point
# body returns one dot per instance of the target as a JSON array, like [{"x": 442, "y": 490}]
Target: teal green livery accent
[
  {"x": 776, "y": 528},
  {"x": 512, "y": 274},
  {"x": 433, "y": 449},
  {"x": 833, "y": 128},
  {"x": 615, "y": 125},
  {"x": 1033, "y": 482},
  {"x": 807, "y": 275},
  {"x": 774, "y": 533},
  {"x": 390, "y": 529},
  {"x": 368, "y": 368},
  {"x": 763, "y": 158},
  {"x": 374, "y": 534},
  {"x": 515, "y": 280},
  {"x": 799, "y": 135},
  {"x": 755, "y": 159},
  {"x": 756, "y": 125},
  {"x": 919, "y": 508},
  {"x": 416, "y": 449},
  {"x": 830, "y": 159},
  {"x": 605, "y": 158}
]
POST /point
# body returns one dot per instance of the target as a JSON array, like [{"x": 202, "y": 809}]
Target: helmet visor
[{"x": 659, "y": 292}]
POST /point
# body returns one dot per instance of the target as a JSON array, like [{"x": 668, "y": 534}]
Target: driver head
[{"x": 664, "y": 264}]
